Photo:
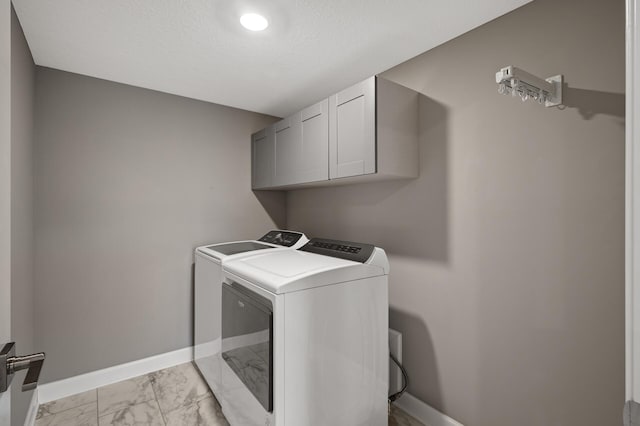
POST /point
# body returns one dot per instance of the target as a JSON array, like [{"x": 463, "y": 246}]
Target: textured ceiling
[{"x": 197, "y": 48}]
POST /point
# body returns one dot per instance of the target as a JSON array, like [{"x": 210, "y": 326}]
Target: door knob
[{"x": 10, "y": 363}]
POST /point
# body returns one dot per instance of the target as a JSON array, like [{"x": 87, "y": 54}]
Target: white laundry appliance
[
  {"x": 305, "y": 337},
  {"x": 207, "y": 299}
]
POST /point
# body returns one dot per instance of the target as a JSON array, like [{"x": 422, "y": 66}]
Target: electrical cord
[{"x": 405, "y": 378}]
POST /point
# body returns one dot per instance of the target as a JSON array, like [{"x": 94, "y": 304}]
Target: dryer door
[{"x": 247, "y": 340}]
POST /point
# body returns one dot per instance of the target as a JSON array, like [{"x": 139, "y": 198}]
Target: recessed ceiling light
[{"x": 254, "y": 22}]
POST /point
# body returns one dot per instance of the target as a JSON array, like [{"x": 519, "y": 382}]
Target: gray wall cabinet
[
  {"x": 366, "y": 132},
  {"x": 352, "y": 131},
  {"x": 313, "y": 164},
  {"x": 286, "y": 149},
  {"x": 301, "y": 147}
]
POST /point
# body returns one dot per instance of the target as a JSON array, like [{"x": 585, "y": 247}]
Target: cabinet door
[
  {"x": 313, "y": 164},
  {"x": 352, "y": 131},
  {"x": 302, "y": 146},
  {"x": 287, "y": 149},
  {"x": 262, "y": 158}
]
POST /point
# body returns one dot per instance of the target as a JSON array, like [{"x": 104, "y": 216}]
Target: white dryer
[
  {"x": 304, "y": 337},
  {"x": 207, "y": 298}
]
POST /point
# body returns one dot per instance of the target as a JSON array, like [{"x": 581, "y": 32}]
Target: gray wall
[
  {"x": 22, "y": 286},
  {"x": 128, "y": 182},
  {"x": 507, "y": 254}
]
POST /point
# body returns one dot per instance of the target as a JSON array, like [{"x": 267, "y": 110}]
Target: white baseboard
[
  {"x": 30, "y": 420},
  {"x": 95, "y": 379},
  {"x": 424, "y": 412}
]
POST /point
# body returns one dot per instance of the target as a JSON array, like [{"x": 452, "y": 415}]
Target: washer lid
[
  {"x": 236, "y": 248},
  {"x": 293, "y": 270}
]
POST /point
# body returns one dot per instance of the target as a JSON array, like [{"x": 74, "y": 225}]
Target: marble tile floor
[{"x": 175, "y": 396}]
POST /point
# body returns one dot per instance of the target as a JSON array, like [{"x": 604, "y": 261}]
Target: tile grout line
[
  {"x": 97, "y": 409},
  {"x": 153, "y": 388}
]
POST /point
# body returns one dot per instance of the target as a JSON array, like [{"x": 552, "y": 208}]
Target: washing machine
[
  {"x": 207, "y": 298},
  {"x": 304, "y": 336}
]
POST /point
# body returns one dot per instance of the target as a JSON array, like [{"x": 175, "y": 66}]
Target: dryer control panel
[
  {"x": 281, "y": 238},
  {"x": 358, "y": 252}
]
